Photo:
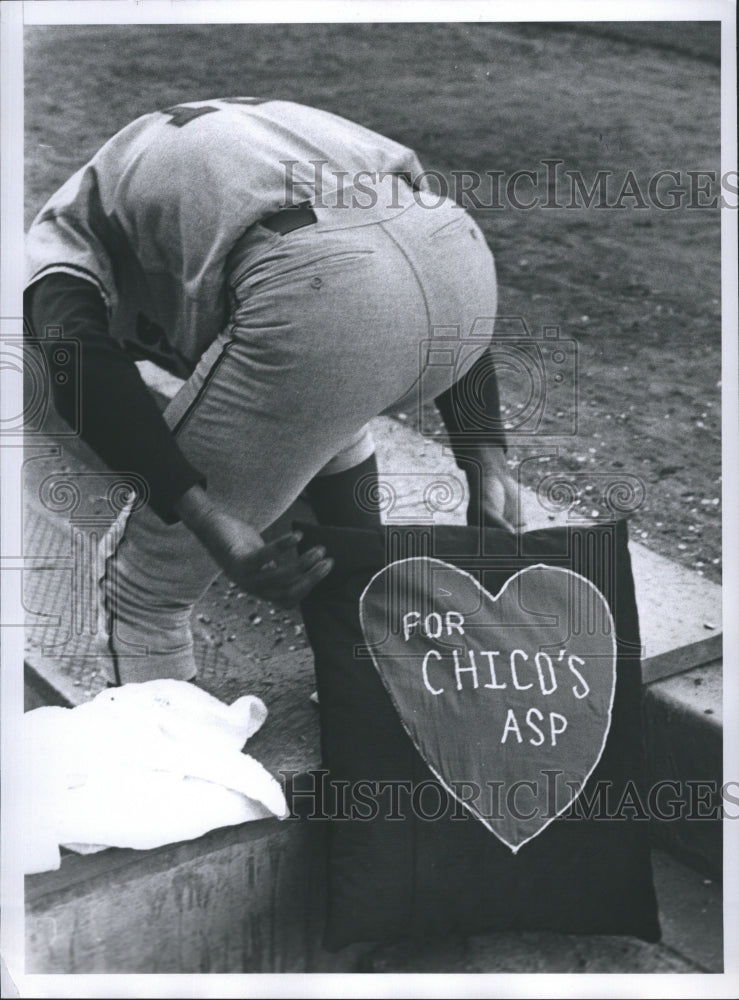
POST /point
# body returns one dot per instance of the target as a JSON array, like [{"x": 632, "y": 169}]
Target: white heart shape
[{"x": 515, "y": 689}]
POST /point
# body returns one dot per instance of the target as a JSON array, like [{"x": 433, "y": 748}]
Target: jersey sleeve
[
  {"x": 66, "y": 237},
  {"x": 118, "y": 417}
]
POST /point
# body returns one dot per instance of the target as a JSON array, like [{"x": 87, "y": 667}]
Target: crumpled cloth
[{"x": 140, "y": 766}]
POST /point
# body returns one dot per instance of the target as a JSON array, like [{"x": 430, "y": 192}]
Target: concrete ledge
[
  {"x": 238, "y": 899},
  {"x": 232, "y": 901},
  {"x": 684, "y": 742},
  {"x": 250, "y": 899}
]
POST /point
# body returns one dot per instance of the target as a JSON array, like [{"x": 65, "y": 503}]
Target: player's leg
[
  {"x": 323, "y": 336},
  {"x": 345, "y": 493},
  {"x": 330, "y": 327}
]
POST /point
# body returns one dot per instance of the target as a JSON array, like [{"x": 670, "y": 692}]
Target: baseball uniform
[{"x": 290, "y": 339}]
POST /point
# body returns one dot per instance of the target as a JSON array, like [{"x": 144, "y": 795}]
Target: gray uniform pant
[{"x": 330, "y": 325}]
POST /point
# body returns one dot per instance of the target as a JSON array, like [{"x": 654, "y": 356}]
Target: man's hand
[
  {"x": 467, "y": 407},
  {"x": 494, "y": 499},
  {"x": 274, "y": 572}
]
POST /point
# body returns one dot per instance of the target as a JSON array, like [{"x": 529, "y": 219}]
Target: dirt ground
[{"x": 637, "y": 288}]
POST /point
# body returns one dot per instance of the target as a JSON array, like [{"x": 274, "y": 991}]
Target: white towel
[{"x": 140, "y": 766}]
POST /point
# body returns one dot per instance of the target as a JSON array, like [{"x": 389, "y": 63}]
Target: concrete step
[
  {"x": 248, "y": 899},
  {"x": 248, "y": 884},
  {"x": 684, "y": 743}
]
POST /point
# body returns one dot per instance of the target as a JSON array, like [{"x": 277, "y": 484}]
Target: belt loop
[{"x": 289, "y": 219}]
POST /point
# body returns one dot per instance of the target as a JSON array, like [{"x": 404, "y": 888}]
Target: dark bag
[{"x": 423, "y": 864}]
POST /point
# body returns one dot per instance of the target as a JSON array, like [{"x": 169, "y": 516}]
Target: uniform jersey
[{"x": 152, "y": 218}]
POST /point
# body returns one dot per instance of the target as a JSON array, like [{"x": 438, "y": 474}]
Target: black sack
[{"x": 395, "y": 878}]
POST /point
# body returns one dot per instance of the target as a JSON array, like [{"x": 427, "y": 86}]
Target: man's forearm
[
  {"x": 194, "y": 507},
  {"x": 118, "y": 417},
  {"x": 471, "y": 414},
  {"x": 470, "y": 410}
]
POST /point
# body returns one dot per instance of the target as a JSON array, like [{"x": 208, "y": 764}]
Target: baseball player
[{"x": 295, "y": 270}]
